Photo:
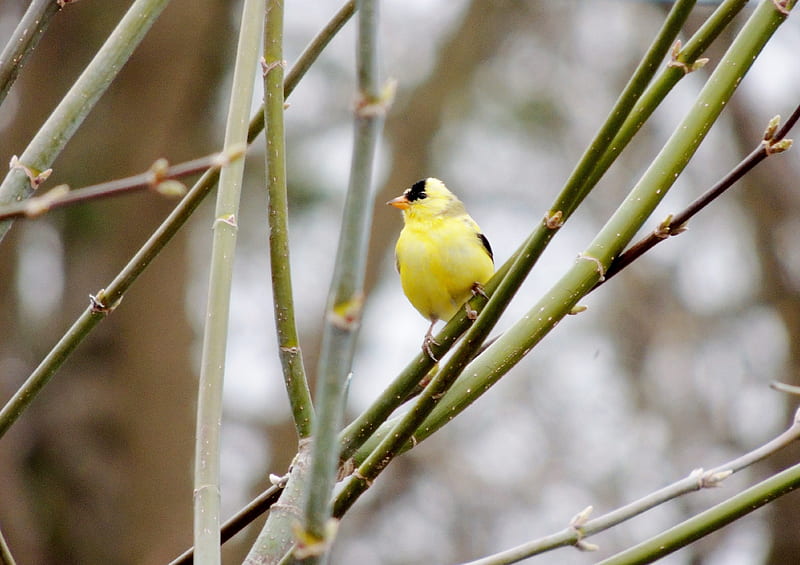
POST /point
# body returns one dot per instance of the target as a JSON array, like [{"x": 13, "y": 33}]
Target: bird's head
[{"x": 427, "y": 198}]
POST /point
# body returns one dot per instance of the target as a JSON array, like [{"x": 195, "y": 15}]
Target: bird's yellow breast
[{"x": 440, "y": 259}]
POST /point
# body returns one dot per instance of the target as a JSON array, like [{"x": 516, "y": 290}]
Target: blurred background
[{"x": 667, "y": 370}]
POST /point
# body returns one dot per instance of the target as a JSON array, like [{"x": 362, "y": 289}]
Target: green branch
[
  {"x": 345, "y": 301},
  {"x": 711, "y": 520},
  {"x": 223, "y": 250},
  {"x": 294, "y": 374}
]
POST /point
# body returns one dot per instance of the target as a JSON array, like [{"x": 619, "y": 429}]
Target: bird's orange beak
[{"x": 399, "y": 202}]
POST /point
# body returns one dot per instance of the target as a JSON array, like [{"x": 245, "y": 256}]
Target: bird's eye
[{"x": 416, "y": 192}]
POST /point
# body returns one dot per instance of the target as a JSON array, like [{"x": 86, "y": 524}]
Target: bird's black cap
[{"x": 417, "y": 191}]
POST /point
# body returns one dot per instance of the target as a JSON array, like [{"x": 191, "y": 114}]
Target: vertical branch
[
  {"x": 343, "y": 311},
  {"x": 294, "y": 374},
  {"x": 209, "y": 405},
  {"x": 51, "y": 138}
]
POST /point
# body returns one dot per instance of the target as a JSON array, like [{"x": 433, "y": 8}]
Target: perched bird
[{"x": 442, "y": 256}]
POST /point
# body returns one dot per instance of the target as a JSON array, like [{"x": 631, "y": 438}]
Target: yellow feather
[{"x": 441, "y": 254}]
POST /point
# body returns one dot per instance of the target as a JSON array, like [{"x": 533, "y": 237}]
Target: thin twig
[
  {"x": 238, "y": 521},
  {"x": 697, "y": 480},
  {"x": 676, "y": 224},
  {"x": 153, "y": 179}
]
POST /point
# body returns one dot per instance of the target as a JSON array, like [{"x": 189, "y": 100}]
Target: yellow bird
[{"x": 442, "y": 256}]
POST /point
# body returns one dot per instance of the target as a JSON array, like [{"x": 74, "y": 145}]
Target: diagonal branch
[{"x": 774, "y": 142}]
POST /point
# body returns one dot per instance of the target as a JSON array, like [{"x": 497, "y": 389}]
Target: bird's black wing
[{"x": 486, "y": 245}]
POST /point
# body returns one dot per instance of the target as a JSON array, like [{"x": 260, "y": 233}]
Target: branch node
[
  {"x": 709, "y": 479},
  {"x": 360, "y": 477},
  {"x": 782, "y": 6},
  {"x": 267, "y": 67},
  {"x": 38, "y": 205},
  {"x": 772, "y": 127},
  {"x": 347, "y": 315},
  {"x": 35, "y": 177},
  {"x": 98, "y": 304},
  {"x": 278, "y": 480},
  {"x": 229, "y": 155},
  {"x": 309, "y": 545},
  {"x": 554, "y": 220},
  {"x": 576, "y": 524},
  {"x": 157, "y": 172},
  {"x": 601, "y": 270},
  {"x": 229, "y": 219},
  {"x": 577, "y": 309},
  {"x": 772, "y": 147},
  {"x": 370, "y": 107},
  {"x": 678, "y": 64},
  {"x": 171, "y": 188}
]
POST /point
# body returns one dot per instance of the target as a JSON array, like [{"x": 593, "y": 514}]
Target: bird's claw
[
  {"x": 426, "y": 347},
  {"x": 477, "y": 288}
]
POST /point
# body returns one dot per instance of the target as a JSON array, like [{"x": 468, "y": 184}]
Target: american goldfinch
[{"x": 442, "y": 256}]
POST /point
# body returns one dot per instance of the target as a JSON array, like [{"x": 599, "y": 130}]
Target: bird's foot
[
  {"x": 477, "y": 288},
  {"x": 427, "y": 344}
]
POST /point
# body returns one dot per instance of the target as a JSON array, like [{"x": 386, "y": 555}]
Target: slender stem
[
  {"x": 510, "y": 276},
  {"x": 79, "y": 101},
  {"x": 35, "y": 206},
  {"x": 346, "y": 296},
  {"x": 212, "y": 363},
  {"x": 107, "y": 299},
  {"x": 711, "y": 520},
  {"x": 697, "y": 480},
  {"x": 294, "y": 374},
  {"x": 675, "y": 225},
  {"x": 306, "y": 59},
  {"x": 23, "y": 41}
]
